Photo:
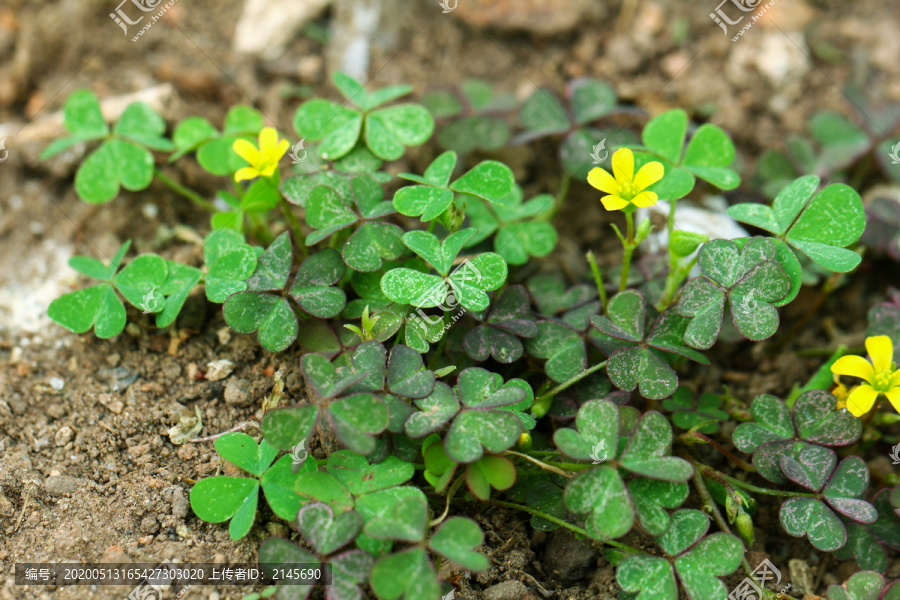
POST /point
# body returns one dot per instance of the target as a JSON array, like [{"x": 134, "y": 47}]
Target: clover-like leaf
[
  {"x": 434, "y": 412},
  {"x": 864, "y": 585},
  {"x": 808, "y": 465},
  {"x": 455, "y": 540},
  {"x": 562, "y": 347},
  {"x": 699, "y": 568},
  {"x": 406, "y": 373},
  {"x": 388, "y": 131},
  {"x": 490, "y": 472},
  {"x": 863, "y": 547},
  {"x": 357, "y": 418},
  {"x": 811, "y": 518},
  {"x": 818, "y": 421},
  {"x": 326, "y": 532},
  {"x": 406, "y": 522},
  {"x": 242, "y": 450},
  {"x": 509, "y": 319},
  {"x": 821, "y": 225},
  {"x": 277, "y": 553},
  {"x": 688, "y": 413},
  {"x": 651, "y": 498},
  {"x": 359, "y": 477},
  {"x": 749, "y": 278},
  {"x": 313, "y": 287},
  {"x": 650, "y": 577},
  {"x": 647, "y": 451},
  {"x": 602, "y": 493},
  {"x": 771, "y": 423},
  {"x": 408, "y": 575},
  {"x": 846, "y": 486},
  {"x": 598, "y": 428},
  {"x": 219, "y": 499},
  {"x": 285, "y": 427},
  {"x": 230, "y": 261}
]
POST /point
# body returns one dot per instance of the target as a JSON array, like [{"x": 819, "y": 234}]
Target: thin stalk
[
  {"x": 453, "y": 487},
  {"x": 598, "y": 279},
  {"x": 629, "y": 250},
  {"x": 184, "y": 191},
  {"x": 712, "y": 473},
  {"x": 541, "y": 464},
  {"x": 707, "y": 440},
  {"x": 544, "y": 399},
  {"x": 561, "y": 523}
]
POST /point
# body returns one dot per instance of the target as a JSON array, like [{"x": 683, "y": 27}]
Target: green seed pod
[
  {"x": 744, "y": 526},
  {"x": 524, "y": 443}
]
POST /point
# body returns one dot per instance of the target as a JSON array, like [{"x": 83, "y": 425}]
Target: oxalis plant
[{"x": 447, "y": 377}]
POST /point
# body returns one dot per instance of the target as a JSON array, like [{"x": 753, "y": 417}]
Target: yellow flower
[
  {"x": 841, "y": 392},
  {"x": 626, "y": 188},
  {"x": 263, "y": 161},
  {"x": 881, "y": 375}
]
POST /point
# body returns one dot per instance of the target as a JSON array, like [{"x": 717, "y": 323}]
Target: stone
[
  {"x": 267, "y": 26},
  {"x": 567, "y": 558},
  {"x": 542, "y": 17},
  {"x": 237, "y": 392},
  {"x": 219, "y": 369},
  {"x": 149, "y": 524},
  {"x": 64, "y": 436},
  {"x": 61, "y": 485},
  {"x": 508, "y": 590},
  {"x": 180, "y": 504}
]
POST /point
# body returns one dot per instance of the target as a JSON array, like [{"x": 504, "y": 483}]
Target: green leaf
[
  {"x": 598, "y": 432},
  {"x": 772, "y": 423},
  {"x": 688, "y": 527},
  {"x": 82, "y": 116},
  {"x": 273, "y": 266},
  {"x": 355, "y": 472},
  {"x": 562, "y": 347},
  {"x": 241, "y": 450},
  {"x": 326, "y": 533},
  {"x": 406, "y": 373},
  {"x": 357, "y": 418},
  {"x": 591, "y": 99},
  {"x": 390, "y": 130},
  {"x": 142, "y": 124},
  {"x": 272, "y": 316},
  {"x": 243, "y": 120},
  {"x": 327, "y": 212},
  {"x": 313, "y": 285},
  {"x": 407, "y": 575},
  {"x": 490, "y": 472},
  {"x": 649, "y": 575},
  {"x": 864, "y": 585},
  {"x": 96, "y": 306},
  {"x": 406, "y": 522},
  {"x": 846, "y": 486},
  {"x": 230, "y": 261},
  {"x": 178, "y": 285},
  {"x": 439, "y": 254},
  {"x": 489, "y": 180},
  {"x": 326, "y": 380},
  {"x": 337, "y": 126},
  {"x": 474, "y": 133},
  {"x": 647, "y": 451},
  {"x": 371, "y": 244},
  {"x": 96, "y": 269},
  {"x": 519, "y": 241},
  {"x": 834, "y": 219},
  {"x": 434, "y": 411},
  {"x": 651, "y": 498},
  {"x": 543, "y": 113},
  {"x": 819, "y": 422},
  {"x": 638, "y": 367},
  {"x": 140, "y": 281},
  {"x": 708, "y": 156},
  {"x": 478, "y": 425},
  {"x": 190, "y": 134},
  {"x": 218, "y": 499},
  {"x": 666, "y": 133},
  {"x": 278, "y": 487},
  {"x": 408, "y": 286},
  {"x": 281, "y": 552},
  {"x": 602, "y": 493},
  {"x": 811, "y": 518},
  {"x": 113, "y": 165},
  {"x": 286, "y": 427},
  {"x": 699, "y": 569},
  {"x": 318, "y": 486},
  {"x": 455, "y": 540}
]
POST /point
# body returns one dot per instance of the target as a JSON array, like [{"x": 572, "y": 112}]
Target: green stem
[
  {"x": 184, "y": 191},
  {"x": 598, "y": 280},
  {"x": 294, "y": 224},
  {"x": 561, "y": 523},
  {"x": 547, "y": 467},
  {"x": 677, "y": 274},
  {"x": 629, "y": 250},
  {"x": 748, "y": 486},
  {"x": 542, "y": 404}
]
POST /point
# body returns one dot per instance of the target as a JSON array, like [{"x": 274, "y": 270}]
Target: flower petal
[
  {"x": 895, "y": 378},
  {"x": 623, "y": 165},
  {"x": 268, "y": 139},
  {"x": 280, "y": 150},
  {"x": 645, "y": 199},
  {"x": 648, "y": 175},
  {"x": 881, "y": 351},
  {"x": 613, "y": 202},
  {"x": 861, "y": 400},
  {"x": 894, "y": 396},
  {"x": 855, "y": 366},
  {"x": 246, "y": 173},
  {"x": 247, "y": 151},
  {"x": 603, "y": 181}
]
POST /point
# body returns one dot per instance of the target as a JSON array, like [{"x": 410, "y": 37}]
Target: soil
[{"x": 88, "y": 472}]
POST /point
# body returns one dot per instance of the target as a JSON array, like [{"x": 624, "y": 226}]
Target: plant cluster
[{"x": 426, "y": 346}]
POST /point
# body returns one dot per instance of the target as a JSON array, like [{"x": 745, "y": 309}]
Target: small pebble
[
  {"x": 180, "y": 504},
  {"x": 237, "y": 392},
  {"x": 150, "y": 210},
  {"x": 114, "y": 554},
  {"x": 57, "y": 384},
  {"x": 139, "y": 450},
  {"x": 112, "y": 403},
  {"x": 64, "y": 436},
  {"x": 224, "y": 335},
  {"x": 219, "y": 369},
  {"x": 149, "y": 524},
  {"x": 62, "y": 485},
  {"x": 508, "y": 590}
]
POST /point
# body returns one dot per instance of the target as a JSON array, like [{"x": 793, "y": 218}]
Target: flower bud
[
  {"x": 524, "y": 443},
  {"x": 744, "y": 526}
]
